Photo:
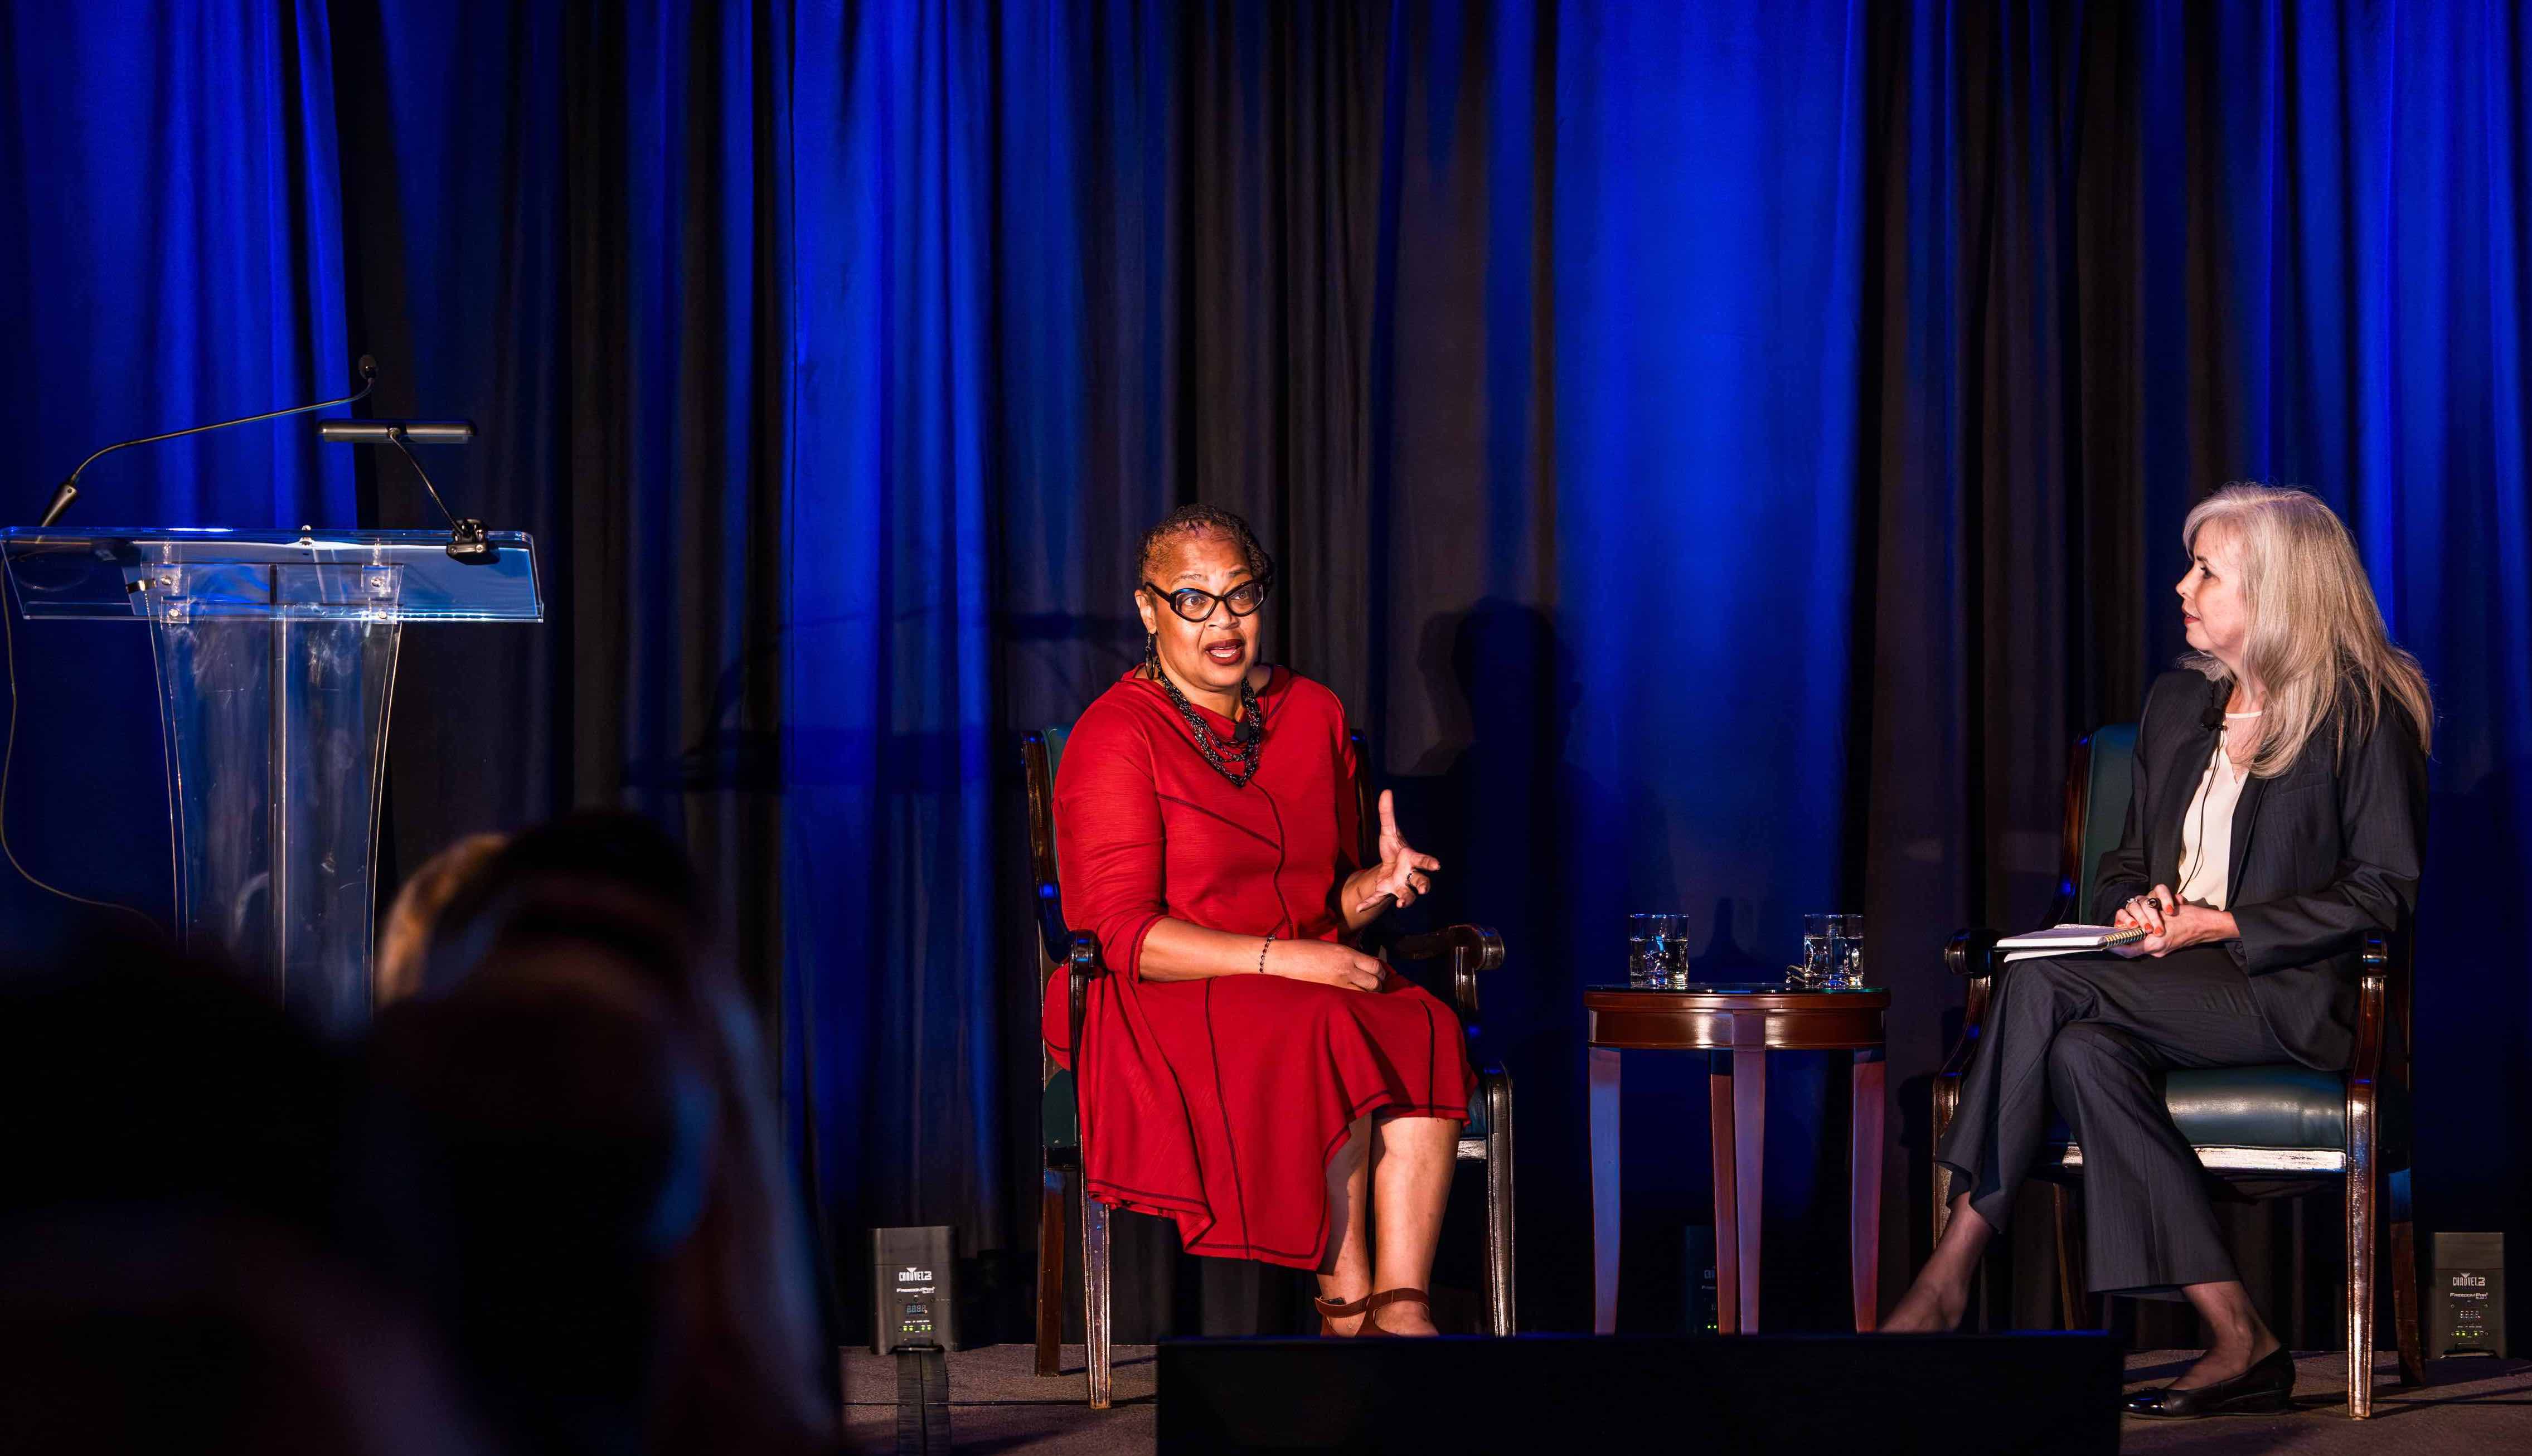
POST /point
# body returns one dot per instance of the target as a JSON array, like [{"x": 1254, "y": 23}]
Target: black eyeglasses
[{"x": 1196, "y": 605}]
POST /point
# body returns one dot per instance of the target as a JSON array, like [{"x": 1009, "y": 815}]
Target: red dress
[{"x": 1219, "y": 1101}]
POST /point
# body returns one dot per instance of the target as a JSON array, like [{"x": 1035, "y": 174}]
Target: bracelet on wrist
[{"x": 1262, "y": 949}]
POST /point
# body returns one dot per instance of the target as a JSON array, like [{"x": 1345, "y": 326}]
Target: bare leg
[
  {"x": 1935, "y": 1302},
  {"x": 1347, "y": 1273},
  {"x": 1412, "y": 1159},
  {"x": 2239, "y": 1338}
]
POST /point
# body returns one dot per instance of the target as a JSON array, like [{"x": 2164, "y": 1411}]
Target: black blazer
[{"x": 2323, "y": 853}]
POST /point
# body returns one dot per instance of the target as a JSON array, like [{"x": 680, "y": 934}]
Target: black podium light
[{"x": 466, "y": 539}]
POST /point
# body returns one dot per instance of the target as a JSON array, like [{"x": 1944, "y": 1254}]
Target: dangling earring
[{"x": 1152, "y": 656}]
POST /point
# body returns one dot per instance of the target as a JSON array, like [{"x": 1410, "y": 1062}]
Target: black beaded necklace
[{"x": 1248, "y": 739}]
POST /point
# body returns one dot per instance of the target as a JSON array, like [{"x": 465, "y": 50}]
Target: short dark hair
[{"x": 1203, "y": 520}]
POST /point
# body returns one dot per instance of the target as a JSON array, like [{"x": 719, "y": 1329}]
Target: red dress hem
[{"x": 1195, "y": 1221}]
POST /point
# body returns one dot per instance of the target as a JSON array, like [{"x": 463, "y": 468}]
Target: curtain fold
[
  {"x": 561, "y": 220},
  {"x": 893, "y": 1064}
]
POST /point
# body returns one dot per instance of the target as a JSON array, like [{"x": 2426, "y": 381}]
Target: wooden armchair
[
  {"x": 2287, "y": 1128},
  {"x": 1075, "y": 955}
]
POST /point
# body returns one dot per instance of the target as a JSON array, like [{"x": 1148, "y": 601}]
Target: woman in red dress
[{"x": 1247, "y": 1071}]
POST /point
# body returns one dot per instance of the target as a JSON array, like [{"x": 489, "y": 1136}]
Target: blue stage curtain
[
  {"x": 1724, "y": 453},
  {"x": 1328, "y": 283},
  {"x": 452, "y": 116},
  {"x": 172, "y": 255},
  {"x": 1707, "y": 254},
  {"x": 893, "y": 1061},
  {"x": 562, "y": 226}
]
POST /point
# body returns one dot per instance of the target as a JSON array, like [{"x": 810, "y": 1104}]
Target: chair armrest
[
  {"x": 1080, "y": 965},
  {"x": 1471, "y": 949},
  {"x": 1971, "y": 954},
  {"x": 1485, "y": 947},
  {"x": 2365, "y": 1065}
]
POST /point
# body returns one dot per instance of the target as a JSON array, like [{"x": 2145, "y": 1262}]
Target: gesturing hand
[
  {"x": 1402, "y": 874},
  {"x": 1326, "y": 962}
]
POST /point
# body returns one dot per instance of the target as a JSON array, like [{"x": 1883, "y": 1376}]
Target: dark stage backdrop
[{"x": 1723, "y": 454}]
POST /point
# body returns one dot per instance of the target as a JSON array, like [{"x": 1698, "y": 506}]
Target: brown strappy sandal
[
  {"x": 1371, "y": 1302},
  {"x": 1340, "y": 1310}
]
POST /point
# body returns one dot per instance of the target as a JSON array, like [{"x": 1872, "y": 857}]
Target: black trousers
[{"x": 2091, "y": 1035}]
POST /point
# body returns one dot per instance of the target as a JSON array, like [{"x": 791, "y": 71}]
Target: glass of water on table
[
  {"x": 1658, "y": 951},
  {"x": 1832, "y": 952}
]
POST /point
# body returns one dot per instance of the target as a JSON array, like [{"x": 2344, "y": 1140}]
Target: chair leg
[
  {"x": 1720, "y": 1130},
  {"x": 2405, "y": 1304},
  {"x": 1094, "y": 1298},
  {"x": 1605, "y": 1224},
  {"x": 1500, "y": 1314},
  {"x": 2075, "y": 1303},
  {"x": 1749, "y": 1175},
  {"x": 1863, "y": 1189},
  {"x": 1049, "y": 1272},
  {"x": 2361, "y": 1233},
  {"x": 1942, "y": 1176}
]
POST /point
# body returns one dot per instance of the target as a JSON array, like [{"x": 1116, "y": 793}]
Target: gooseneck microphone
[{"x": 68, "y": 491}]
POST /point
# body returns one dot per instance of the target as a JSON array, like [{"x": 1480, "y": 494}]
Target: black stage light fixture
[{"x": 914, "y": 1316}]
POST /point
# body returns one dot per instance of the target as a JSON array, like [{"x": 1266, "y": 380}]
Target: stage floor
[{"x": 996, "y": 1405}]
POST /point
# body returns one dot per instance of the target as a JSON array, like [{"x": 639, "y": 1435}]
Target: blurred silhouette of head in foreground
[
  {"x": 582, "y": 1063},
  {"x": 187, "y": 1260}
]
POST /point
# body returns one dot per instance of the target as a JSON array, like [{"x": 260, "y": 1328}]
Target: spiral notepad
[{"x": 2067, "y": 940}]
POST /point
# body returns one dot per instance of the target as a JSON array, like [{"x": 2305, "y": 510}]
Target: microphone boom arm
[{"x": 68, "y": 491}]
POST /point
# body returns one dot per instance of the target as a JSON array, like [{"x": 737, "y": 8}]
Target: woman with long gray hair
[{"x": 2279, "y": 816}]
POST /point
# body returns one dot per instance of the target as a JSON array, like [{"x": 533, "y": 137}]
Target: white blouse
[{"x": 2207, "y": 832}]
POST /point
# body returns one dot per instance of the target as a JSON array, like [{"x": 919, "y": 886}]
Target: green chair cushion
[
  {"x": 2111, "y": 776},
  {"x": 1058, "y": 1123},
  {"x": 2283, "y": 1106},
  {"x": 1054, "y": 738}
]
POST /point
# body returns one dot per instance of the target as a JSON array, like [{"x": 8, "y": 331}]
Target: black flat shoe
[{"x": 2268, "y": 1387}]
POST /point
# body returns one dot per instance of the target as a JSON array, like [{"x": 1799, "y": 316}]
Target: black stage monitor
[
  {"x": 2467, "y": 1311},
  {"x": 911, "y": 1290},
  {"x": 1956, "y": 1395}
]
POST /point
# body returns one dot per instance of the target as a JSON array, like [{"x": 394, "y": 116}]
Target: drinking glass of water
[
  {"x": 1658, "y": 950},
  {"x": 1832, "y": 952}
]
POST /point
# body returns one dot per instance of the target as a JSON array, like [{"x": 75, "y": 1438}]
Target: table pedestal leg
[
  {"x": 1863, "y": 1196},
  {"x": 1604, "y": 1190},
  {"x": 1748, "y": 1170},
  {"x": 1727, "y": 1227}
]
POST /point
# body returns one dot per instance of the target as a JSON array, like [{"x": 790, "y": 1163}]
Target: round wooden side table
[{"x": 1737, "y": 1025}]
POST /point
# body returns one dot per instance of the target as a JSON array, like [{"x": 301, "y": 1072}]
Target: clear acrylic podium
[{"x": 276, "y": 656}]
